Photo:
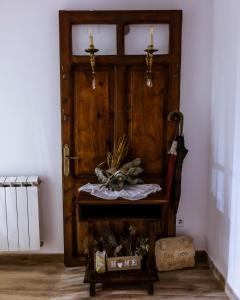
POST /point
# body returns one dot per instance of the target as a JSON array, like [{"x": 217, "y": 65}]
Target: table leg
[
  {"x": 91, "y": 245},
  {"x": 92, "y": 291},
  {"x": 150, "y": 288}
]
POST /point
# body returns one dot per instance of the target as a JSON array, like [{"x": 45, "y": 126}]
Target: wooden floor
[{"x": 46, "y": 278}]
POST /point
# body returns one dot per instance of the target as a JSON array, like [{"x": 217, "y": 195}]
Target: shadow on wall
[
  {"x": 224, "y": 206},
  {"x": 234, "y": 245}
]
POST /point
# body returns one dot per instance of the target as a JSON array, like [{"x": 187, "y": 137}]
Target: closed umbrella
[
  {"x": 181, "y": 154},
  {"x": 171, "y": 163},
  {"x": 172, "y": 155}
]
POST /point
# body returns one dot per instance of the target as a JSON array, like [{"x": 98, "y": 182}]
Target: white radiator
[{"x": 19, "y": 218}]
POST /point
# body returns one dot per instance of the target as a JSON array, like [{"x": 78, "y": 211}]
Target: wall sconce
[
  {"x": 92, "y": 50},
  {"x": 149, "y": 60}
]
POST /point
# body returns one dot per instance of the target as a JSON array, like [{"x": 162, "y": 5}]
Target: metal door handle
[
  {"x": 73, "y": 157},
  {"x": 66, "y": 160}
]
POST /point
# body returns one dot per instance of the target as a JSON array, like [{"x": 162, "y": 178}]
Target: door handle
[
  {"x": 72, "y": 157},
  {"x": 66, "y": 160}
]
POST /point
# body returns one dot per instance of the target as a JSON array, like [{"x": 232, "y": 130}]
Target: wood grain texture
[
  {"x": 121, "y": 104},
  {"x": 92, "y": 120},
  {"x": 146, "y": 110},
  {"x": 29, "y": 278}
]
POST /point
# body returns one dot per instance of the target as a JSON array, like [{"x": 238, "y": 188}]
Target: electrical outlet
[{"x": 180, "y": 222}]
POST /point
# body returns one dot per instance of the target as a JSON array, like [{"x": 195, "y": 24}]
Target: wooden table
[{"x": 150, "y": 210}]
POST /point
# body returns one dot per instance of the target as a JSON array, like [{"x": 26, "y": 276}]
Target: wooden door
[
  {"x": 92, "y": 120},
  {"x": 146, "y": 119},
  {"x": 121, "y": 104}
]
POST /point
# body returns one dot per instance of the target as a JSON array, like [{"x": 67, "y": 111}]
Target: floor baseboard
[
  {"x": 219, "y": 276},
  {"x": 201, "y": 256},
  {"x": 22, "y": 258},
  {"x": 30, "y": 258},
  {"x": 230, "y": 293}
]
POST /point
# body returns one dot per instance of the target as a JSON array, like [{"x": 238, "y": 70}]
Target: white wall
[
  {"x": 222, "y": 107},
  {"x": 30, "y": 102},
  {"x": 223, "y": 240}
]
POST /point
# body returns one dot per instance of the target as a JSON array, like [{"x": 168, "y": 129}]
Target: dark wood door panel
[
  {"x": 147, "y": 109},
  {"x": 92, "y": 119},
  {"x": 121, "y": 104}
]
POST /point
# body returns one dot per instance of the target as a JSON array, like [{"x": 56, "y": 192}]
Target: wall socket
[{"x": 180, "y": 222}]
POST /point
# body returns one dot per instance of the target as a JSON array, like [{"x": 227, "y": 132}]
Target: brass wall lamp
[
  {"x": 149, "y": 60},
  {"x": 91, "y": 51}
]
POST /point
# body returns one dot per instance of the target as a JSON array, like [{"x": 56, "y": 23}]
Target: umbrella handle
[{"x": 178, "y": 116}]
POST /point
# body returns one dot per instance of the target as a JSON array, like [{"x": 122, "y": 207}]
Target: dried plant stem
[{"x": 120, "y": 150}]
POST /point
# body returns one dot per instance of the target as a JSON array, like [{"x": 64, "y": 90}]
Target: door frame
[{"x": 68, "y": 61}]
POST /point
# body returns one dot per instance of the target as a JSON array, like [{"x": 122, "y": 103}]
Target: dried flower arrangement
[
  {"x": 118, "y": 175},
  {"x": 128, "y": 244}
]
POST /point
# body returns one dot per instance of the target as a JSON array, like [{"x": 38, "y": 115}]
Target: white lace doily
[{"x": 130, "y": 192}]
